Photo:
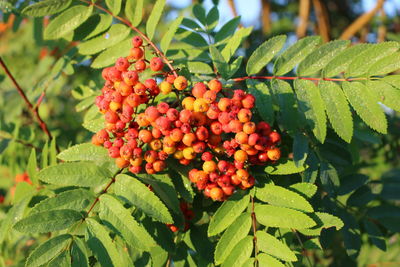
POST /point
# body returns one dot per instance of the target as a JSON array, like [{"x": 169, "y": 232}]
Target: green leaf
[
  {"x": 227, "y": 30},
  {"x": 82, "y": 152},
  {"x": 219, "y": 62},
  {"x": 324, "y": 221},
  {"x": 113, "y": 212},
  {"x": 181, "y": 181},
  {"x": 76, "y": 199},
  {"x": 75, "y": 174},
  {"x": 300, "y": 149},
  {"x": 101, "y": 244},
  {"x": 282, "y": 197},
  {"x": 363, "y": 62},
  {"x": 62, "y": 260},
  {"x": 365, "y": 105},
  {"x": 45, "y": 155},
  {"x": 264, "y": 53},
  {"x": 114, "y": 35},
  {"x": 337, "y": 109},
  {"x": 53, "y": 152},
  {"x": 387, "y": 94},
  {"x": 272, "y": 246},
  {"x": 114, "y": 6},
  {"x": 393, "y": 80},
  {"x": 23, "y": 189},
  {"x": 200, "y": 13},
  {"x": 341, "y": 62},
  {"x": 240, "y": 254},
  {"x": 263, "y": 99},
  {"x": 79, "y": 254},
  {"x": 235, "y": 66},
  {"x": 198, "y": 67},
  {"x": 375, "y": 235},
  {"x": 134, "y": 11},
  {"x": 311, "y": 103},
  {"x": 318, "y": 59},
  {"x": 154, "y": 18},
  {"x": 94, "y": 25},
  {"x": 266, "y": 260},
  {"x": 329, "y": 177},
  {"x": 47, "y": 250},
  {"x": 386, "y": 65},
  {"x": 227, "y": 213},
  {"x": 272, "y": 216},
  {"x": 283, "y": 167},
  {"x": 140, "y": 196},
  {"x": 48, "y": 221},
  {"x": 306, "y": 189},
  {"x": 32, "y": 168},
  {"x": 295, "y": 54},
  {"x": 167, "y": 38},
  {"x": 46, "y": 7},
  {"x": 14, "y": 214},
  {"x": 111, "y": 54},
  {"x": 212, "y": 18},
  {"x": 235, "y": 232},
  {"x": 234, "y": 42},
  {"x": 67, "y": 21},
  {"x": 284, "y": 95}
]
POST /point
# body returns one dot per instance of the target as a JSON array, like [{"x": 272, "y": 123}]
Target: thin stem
[
  {"x": 21, "y": 92},
  {"x": 126, "y": 22},
  {"x": 254, "y": 223},
  {"x": 297, "y": 78},
  {"x": 302, "y": 247}
]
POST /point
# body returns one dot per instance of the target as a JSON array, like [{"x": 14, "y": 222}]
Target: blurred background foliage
[{"x": 54, "y": 70}]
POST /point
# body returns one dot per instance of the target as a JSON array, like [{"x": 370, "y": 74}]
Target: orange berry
[
  {"x": 244, "y": 115},
  {"x": 188, "y": 139},
  {"x": 136, "y": 162},
  {"x": 274, "y": 154},
  {"x": 241, "y": 137},
  {"x": 188, "y": 153},
  {"x": 169, "y": 149},
  {"x": 200, "y": 105},
  {"x": 121, "y": 163},
  {"x": 180, "y": 83},
  {"x": 188, "y": 103},
  {"x": 215, "y": 85},
  {"x": 242, "y": 174},
  {"x": 114, "y": 106},
  {"x": 145, "y": 136},
  {"x": 159, "y": 165},
  {"x": 249, "y": 127},
  {"x": 178, "y": 154},
  {"x": 224, "y": 104},
  {"x": 240, "y": 156},
  {"x": 209, "y": 166},
  {"x": 156, "y": 144},
  {"x": 165, "y": 87},
  {"x": 199, "y": 89},
  {"x": 210, "y": 96},
  {"x": 216, "y": 194}
]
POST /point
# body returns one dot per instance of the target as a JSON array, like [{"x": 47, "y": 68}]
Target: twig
[
  {"x": 126, "y": 22},
  {"x": 304, "y": 11},
  {"x": 302, "y": 247},
  {"x": 297, "y": 78},
  {"x": 254, "y": 223},
  {"x": 266, "y": 19},
  {"x": 361, "y": 21},
  {"x": 322, "y": 19},
  {"x": 34, "y": 111},
  {"x": 382, "y": 28}
]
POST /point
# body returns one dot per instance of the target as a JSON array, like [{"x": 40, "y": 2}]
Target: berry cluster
[
  {"x": 187, "y": 213},
  {"x": 210, "y": 127}
]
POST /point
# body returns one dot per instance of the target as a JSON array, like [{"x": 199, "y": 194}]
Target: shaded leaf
[
  {"x": 286, "y": 101},
  {"x": 227, "y": 30},
  {"x": 46, "y": 7},
  {"x": 79, "y": 254},
  {"x": 300, "y": 149},
  {"x": 219, "y": 62},
  {"x": 263, "y": 97},
  {"x": 324, "y": 221}
]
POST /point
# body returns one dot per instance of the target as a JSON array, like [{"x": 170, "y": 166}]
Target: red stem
[
  {"x": 295, "y": 78},
  {"x": 126, "y": 22},
  {"x": 21, "y": 92},
  {"x": 103, "y": 192}
]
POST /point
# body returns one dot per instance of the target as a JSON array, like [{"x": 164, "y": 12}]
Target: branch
[
  {"x": 304, "y": 11},
  {"x": 126, "y": 22},
  {"x": 298, "y": 78},
  {"x": 34, "y": 111},
  {"x": 266, "y": 19},
  {"x": 302, "y": 247},
  {"x": 361, "y": 21},
  {"x": 254, "y": 222},
  {"x": 382, "y": 28},
  {"x": 322, "y": 19}
]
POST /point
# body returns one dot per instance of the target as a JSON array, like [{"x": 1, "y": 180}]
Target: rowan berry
[
  {"x": 180, "y": 83},
  {"x": 156, "y": 64},
  {"x": 137, "y": 41},
  {"x": 215, "y": 85}
]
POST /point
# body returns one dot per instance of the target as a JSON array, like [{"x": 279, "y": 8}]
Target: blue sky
[{"x": 250, "y": 10}]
